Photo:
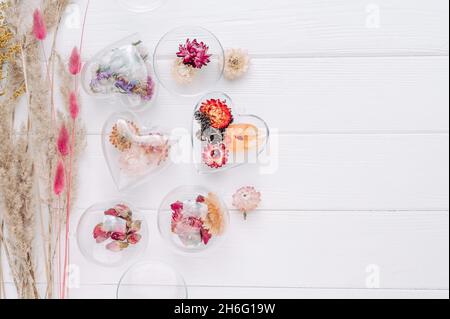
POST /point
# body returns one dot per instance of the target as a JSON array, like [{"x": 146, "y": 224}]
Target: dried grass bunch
[{"x": 29, "y": 157}]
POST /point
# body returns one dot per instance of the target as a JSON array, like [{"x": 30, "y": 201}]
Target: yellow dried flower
[{"x": 120, "y": 141}]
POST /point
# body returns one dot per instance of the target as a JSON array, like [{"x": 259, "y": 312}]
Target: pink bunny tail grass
[
  {"x": 39, "y": 28},
  {"x": 63, "y": 141},
  {"x": 75, "y": 62},
  {"x": 59, "y": 184},
  {"x": 74, "y": 107}
]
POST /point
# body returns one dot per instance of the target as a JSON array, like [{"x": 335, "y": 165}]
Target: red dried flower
[
  {"x": 206, "y": 235},
  {"x": 218, "y": 113},
  {"x": 39, "y": 28},
  {"x": 74, "y": 108},
  {"x": 75, "y": 62},
  {"x": 63, "y": 141},
  {"x": 194, "y": 54},
  {"x": 100, "y": 235},
  {"x": 215, "y": 156},
  {"x": 59, "y": 183}
]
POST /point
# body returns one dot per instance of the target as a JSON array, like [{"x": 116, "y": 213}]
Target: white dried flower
[
  {"x": 237, "y": 62},
  {"x": 183, "y": 73}
]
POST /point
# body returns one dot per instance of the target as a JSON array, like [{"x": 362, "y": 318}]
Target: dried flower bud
[
  {"x": 39, "y": 28},
  {"x": 74, "y": 107},
  {"x": 63, "y": 141},
  {"x": 75, "y": 62},
  {"x": 59, "y": 183}
]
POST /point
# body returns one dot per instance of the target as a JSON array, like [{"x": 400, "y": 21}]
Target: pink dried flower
[
  {"x": 59, "y": 183},
  {"x": 39, "y": 28},
  {"x": 74, "y": 107},
  {"x": 75, "y": 62},
  {"x": 133, "y": 239},
  {"x": 246, "y": 199},
  {"x": 118, "y": 236},
  {"x": 116, "y": 246},
  {"x": 215, "y": 156},
  {"x": 206, "y": 235},
  {"x": 63, "y": 141},
  {"x": 100, "y": 235},
  {"x": 194, "y": 54}
]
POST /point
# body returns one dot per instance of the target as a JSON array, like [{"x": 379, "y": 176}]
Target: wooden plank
[
  {"x": 284, "y": 27},
  {"x": 320, "y": 95},
  {"x": 330, "y": 250},
  {"x": 306, "y": 172}
]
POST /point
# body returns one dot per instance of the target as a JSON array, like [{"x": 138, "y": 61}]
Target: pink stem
[{"x": 67, "y": 246}]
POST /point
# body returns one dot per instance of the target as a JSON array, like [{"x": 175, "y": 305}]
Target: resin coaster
[
  {"x": 192, "y": 219},
  {"x": 222, "y": 138},
  {"x": 122, "y": 70},
  {"x": 133, "y": 151},
  {"x": 189, "y": 61}
]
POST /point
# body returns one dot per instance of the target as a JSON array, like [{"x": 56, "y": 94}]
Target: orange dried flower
[
  {"x": 214, "y": 221},
  {"x": 218, "y": 112}
]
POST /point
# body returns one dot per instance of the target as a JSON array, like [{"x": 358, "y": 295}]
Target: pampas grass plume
[{"x": 63, "y": 141}]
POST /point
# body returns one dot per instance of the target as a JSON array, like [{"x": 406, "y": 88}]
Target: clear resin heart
[
  {"x": 134, "y": 152},
  {"x": 222, "y": 138},
  {"x": 123, "y": 69}
]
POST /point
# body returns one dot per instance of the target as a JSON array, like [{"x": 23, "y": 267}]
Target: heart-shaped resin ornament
[
  {"x": 123, "y": 69},
  {"x": 132, "y": 151},
  {"x": 222, "y": 138}
]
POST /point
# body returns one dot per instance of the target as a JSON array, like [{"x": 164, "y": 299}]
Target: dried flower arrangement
[
  {"x": 118, "y": 230},
  {"x": 214, "y": 117},
  {"x": 124, "y": 70},
  {"x": 139, "y": 153},
  {"x": 33, "y": 175},
  {"x": 191, "y": 57},
  {"x": 196, "y": 221}
]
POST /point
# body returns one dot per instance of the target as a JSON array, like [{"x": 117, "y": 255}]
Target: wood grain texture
[
  {"x": 356, "y": 93},
  {"x": 326, "y": 250},
  {"x": 286, "y": 27},
  {"x": 307, "y": 172}
]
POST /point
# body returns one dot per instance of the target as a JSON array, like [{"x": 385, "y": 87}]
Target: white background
[{"x": 358, "y": 91}]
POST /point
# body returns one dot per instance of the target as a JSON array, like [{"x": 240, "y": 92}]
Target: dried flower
[
  {"x": 74, "y": 107},
  {"x": 194, "y": 53},
  {"x": 59, "y": 183},
  {"x": 75, "y": 62},
  {"x": 237, "y": 63},
  {"x": 120, "y": 139},
  {"x": 246, "y": 199},
  {"x": 242, "y": 137},
  {"x": 214, "y": 221},
  {"x": 63, "y": 141},
  {"x": 218, "y": 113},
  {"x": 117, "y": 246},
  {"x": 183, "y": 73},
  {"x": 215, "y": 156},
  {"x": 39, "y": 28},
  {"x": 100, "y": 235}
]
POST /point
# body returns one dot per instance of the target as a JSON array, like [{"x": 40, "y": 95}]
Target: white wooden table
[{"x": 358, "y": 92}]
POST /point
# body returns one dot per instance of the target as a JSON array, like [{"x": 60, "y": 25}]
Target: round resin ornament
[
  {"x": 134, "y": 152},
  {"x": 151, "y": 280},
  {"x": 141, "y": 6},
  {"x": 192, "y": 219},
  {"x": 112, "y": 234},
  {"x": 189, "y": 60},
  {"x": 222, "y": 138},
  {"x": 122, "y": 70}
]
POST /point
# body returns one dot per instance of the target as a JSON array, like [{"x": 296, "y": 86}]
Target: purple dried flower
[
  {"x": 194, "y": 54},
  {"x": 125, "y": 86}
]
